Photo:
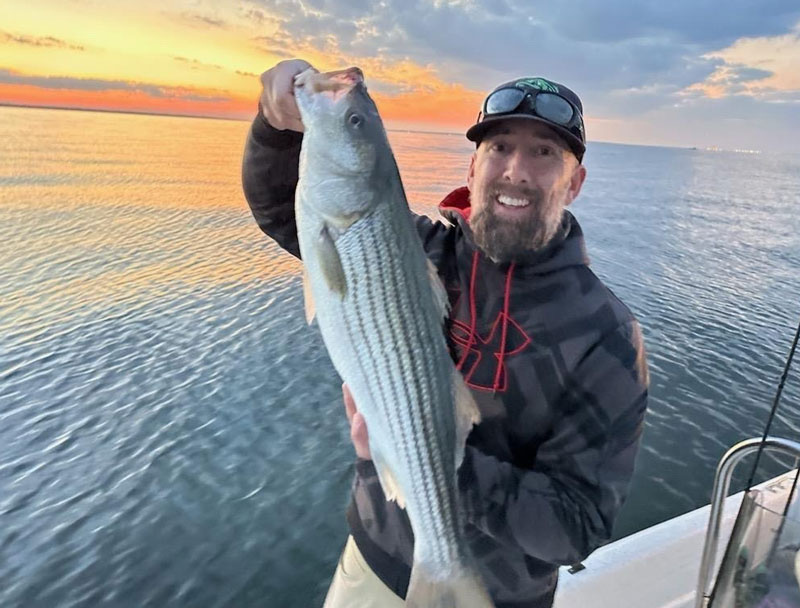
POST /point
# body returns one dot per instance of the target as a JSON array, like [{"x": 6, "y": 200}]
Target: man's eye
[
  {"x": 545, "y": 151},
  {"x": 499, "y": 147}
]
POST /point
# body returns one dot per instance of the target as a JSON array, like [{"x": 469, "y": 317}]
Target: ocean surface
[{"x": 172, "y": 432}]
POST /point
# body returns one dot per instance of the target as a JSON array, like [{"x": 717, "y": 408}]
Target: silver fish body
[{"x": 381, "y": 316}]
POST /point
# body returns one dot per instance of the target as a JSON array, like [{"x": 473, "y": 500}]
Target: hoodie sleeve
[
  {"x": 269, "y": 179},
  {"x": 564, "y": 506}
]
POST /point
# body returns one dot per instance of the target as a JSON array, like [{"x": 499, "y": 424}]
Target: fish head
[{"x": 344, "y": 145}]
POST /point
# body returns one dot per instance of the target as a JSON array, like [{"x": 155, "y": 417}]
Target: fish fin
[
  {"x": 797, "y": 566},
  {"x": 467, "y": 414},
  {"x": 465, "y": 590},
  {"x": 439, "y": 292},
  {"x": 344, "y": 221},
  {"x": 308, "y": 297},
  {"x": 330, "y": 263},
  {"x": 391, "y": 489}
]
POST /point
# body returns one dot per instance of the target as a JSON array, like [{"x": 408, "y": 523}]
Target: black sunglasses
[{"x": 549, "y": 106}]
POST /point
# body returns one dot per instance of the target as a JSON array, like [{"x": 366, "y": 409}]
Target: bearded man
[{"x": 554, "y": 360}]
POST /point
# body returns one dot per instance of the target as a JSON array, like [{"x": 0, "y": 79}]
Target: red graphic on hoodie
[
  {"x": 482, "y": 359},
  {"x": 504, "y": 339}
]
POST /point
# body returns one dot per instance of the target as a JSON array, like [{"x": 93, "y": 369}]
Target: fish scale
[
  {"x": 408, "y": 354},
  {"x": 381, "y": 316}
]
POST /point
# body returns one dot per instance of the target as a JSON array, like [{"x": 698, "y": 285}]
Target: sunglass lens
[
  {"x": 504, "y": 100},
  {"x": 554, "y": 108}
]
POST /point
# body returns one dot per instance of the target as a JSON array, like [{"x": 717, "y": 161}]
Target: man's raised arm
[{"x": 269, "y": 166}]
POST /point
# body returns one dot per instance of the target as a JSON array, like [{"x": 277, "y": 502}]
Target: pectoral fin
[
  {"x": 391, "y": 489},
  {"x": 330, "y": 263},
  {"x": 467, "y": 414}
]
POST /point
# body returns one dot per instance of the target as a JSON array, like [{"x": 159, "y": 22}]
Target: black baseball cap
[{"x": 537, "y": 99}]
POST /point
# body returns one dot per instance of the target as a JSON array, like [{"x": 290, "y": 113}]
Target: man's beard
[{"x": 505, "y": 239}]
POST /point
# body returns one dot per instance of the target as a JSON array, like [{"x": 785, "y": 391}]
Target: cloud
[
  {"x": 40, "y": 41},
  {"x": 278, "y": 45},
  {"x": 737, "y": 121},
  {"x": 743, "y": 73},
  {"x": 201, "y": 19},
  {"x": 253, "y": 14},
  {"x": 621, "y": 56},
  {"x": 95, "y": 84},
  {"x": 196, "y": 64},
  {"x": 706, "y": 23},
  {"x": 764, "y": 67}
]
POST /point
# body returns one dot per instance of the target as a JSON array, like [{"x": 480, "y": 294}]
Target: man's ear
[
  {"x": 575, "y": 183},
  {"x": 471, "y": 171}
]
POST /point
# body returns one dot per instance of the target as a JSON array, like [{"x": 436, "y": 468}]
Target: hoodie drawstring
[
  {"x": 501, "y": 358},
  {"x": 474, "y": 321}
]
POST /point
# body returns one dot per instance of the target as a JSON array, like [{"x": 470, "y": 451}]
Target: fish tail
[{"x": 465, "y": 590}]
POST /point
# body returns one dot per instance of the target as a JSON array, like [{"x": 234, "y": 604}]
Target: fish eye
[{"x": 355, "y": 120}]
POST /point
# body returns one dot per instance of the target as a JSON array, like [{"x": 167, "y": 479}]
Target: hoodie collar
[{"x": 567, "y": 248}]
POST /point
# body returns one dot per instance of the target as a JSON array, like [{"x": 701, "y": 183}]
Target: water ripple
[{"x": 172, "y": 431}]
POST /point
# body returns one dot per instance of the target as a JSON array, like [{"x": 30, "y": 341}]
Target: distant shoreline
[
  {"x": 109, "y": 111},
  {"x": 398, "y": 129},
  {"x": 177, "y": 115}
]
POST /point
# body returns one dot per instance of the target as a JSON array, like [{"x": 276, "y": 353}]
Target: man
[{"x": 555, "y": 361}]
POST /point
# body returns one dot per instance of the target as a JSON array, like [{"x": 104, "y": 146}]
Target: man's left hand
[{"x": 358, "y": 426}]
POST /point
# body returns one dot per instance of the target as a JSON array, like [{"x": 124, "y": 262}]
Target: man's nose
[{"x": 516, "y": 169}]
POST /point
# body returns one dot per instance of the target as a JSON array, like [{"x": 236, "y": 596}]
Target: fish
[{"x": 380, "y": 307}]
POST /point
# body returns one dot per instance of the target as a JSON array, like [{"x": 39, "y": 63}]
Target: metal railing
[{"x": 722, "y": 481}]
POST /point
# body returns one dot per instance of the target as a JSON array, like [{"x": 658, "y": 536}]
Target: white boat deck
[{"x": 657, "y": 567}]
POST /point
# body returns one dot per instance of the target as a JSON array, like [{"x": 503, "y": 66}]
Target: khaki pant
[{"x": 354, "y": 585}]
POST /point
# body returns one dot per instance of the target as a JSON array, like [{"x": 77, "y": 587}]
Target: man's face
[{"x": 520, "y": 179}]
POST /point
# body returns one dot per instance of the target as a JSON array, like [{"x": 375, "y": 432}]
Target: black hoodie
[{"x": 557, "y": 365}]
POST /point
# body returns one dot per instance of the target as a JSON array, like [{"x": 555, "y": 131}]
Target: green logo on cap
[{"x": 539, "y": 83}]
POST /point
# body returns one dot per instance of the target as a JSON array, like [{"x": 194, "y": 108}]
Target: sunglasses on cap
[{"x": 542, "y": 104}]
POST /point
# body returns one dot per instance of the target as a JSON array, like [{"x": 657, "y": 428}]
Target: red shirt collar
[{"x": 457, "y": 201}]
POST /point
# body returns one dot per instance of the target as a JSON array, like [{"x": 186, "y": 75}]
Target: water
[{"x": 171, "y": 432}]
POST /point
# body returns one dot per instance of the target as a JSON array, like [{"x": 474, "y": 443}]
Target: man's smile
[{"x": 509, "y": 201}]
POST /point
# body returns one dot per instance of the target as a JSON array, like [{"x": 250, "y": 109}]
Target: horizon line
[
  {"x": 398, "y": 129},
  {"x": 11, "y": 104}
]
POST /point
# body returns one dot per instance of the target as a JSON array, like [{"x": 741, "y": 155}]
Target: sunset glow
[{"x": 195, "y": 57}]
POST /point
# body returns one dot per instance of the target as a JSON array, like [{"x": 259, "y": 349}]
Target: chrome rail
[{"x": 722, "y": 481}]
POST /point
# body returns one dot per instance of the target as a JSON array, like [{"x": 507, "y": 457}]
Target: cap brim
[{"x": 478, "y": 130}]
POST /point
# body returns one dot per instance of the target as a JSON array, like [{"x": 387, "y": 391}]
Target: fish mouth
[{"x": 335, "y": 85}]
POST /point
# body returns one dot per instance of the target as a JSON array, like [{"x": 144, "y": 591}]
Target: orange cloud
[
  {"x": 126, "y": 101},
  {"x": 776, "y": 58},
  {"x": 404, "y": 91},
  {"x": 188, "y": 56},
  {"x": 446, "y": 105},
  {"x": 778, "y": 54}
]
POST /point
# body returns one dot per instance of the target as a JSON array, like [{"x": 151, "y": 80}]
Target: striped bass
[{"x": 380, "y": 308}]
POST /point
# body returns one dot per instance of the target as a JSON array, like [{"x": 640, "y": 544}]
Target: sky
[{"x": 704, "y": 73}]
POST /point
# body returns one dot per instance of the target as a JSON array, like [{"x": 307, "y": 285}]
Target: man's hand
[
  {"x": 358, "y": 427},
  {"x": 277, "y": 96}
]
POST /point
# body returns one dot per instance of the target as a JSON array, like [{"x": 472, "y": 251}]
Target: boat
[
  {"x": 678, "y": 564},
  {"x": 660, "y": 566}
]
